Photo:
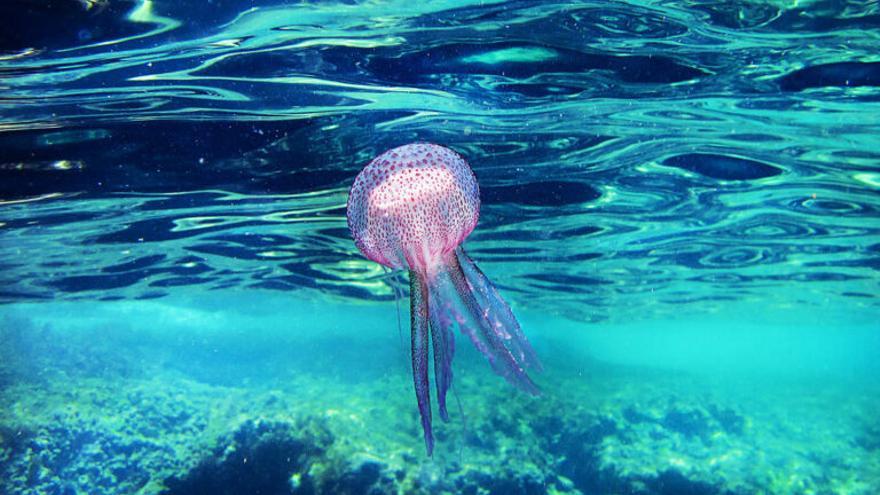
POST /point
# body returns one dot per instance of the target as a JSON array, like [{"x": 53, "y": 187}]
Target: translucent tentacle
[
  {"x": 419, "y": 335},
  {"x": 501, "y": 342},
  {"x": 460, "y": 294},
  {"x": 392, "y": 281},
  {"x": 499, "y": 315},
  {"x": 443, "y": 342}
]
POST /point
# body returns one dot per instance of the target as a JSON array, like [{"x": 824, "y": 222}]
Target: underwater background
[{"x": 681, "y": 202}]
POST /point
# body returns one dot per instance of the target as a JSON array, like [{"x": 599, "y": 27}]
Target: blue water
[{"x": 680, "y": 201}]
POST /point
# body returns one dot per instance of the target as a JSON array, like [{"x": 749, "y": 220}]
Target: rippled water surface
[
  {"x": 662, "y": 153},
  {"x": 638, "y": 161}
]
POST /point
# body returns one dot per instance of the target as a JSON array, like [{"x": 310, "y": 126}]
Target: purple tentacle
[
  {"x": 443, "y": 342},
  {"x": 419, "y": 327},
  {"x": 499, "y": 314},
  {"x": 460, "y": 294},
  {"x": 502, "y": 344}
]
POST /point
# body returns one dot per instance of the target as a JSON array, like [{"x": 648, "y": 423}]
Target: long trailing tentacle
[
  {"x": 391, "y": 277},
  {"x": 500, "y": 316},
  {"x": 419, "y": 335},
  {"x": 461, "y": 294},
  {"x": 490, "y": 325},
  {"x": 443, "y": 342}
]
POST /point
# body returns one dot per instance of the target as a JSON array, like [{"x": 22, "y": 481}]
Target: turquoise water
[{"x": 679, "y": 200}]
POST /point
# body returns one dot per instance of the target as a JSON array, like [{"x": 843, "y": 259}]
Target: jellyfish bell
[{"x": 411, "y": 208}]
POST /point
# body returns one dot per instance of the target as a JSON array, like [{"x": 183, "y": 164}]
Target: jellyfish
[{"x": 410, "y": 209}]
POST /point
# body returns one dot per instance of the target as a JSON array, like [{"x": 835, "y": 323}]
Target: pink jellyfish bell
[{"x": 411, "y": 208}]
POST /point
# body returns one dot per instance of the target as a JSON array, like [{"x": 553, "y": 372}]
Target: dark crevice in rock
[
  {"x": 578, "y": 445},
  {"x": 262, "y": 458},
  {"x": 672, "y": 482}
]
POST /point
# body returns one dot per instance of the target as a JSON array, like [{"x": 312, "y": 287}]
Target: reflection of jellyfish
[{"x": 411, "y": 207}]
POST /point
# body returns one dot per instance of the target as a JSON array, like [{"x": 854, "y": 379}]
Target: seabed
[{"x": 86, "y": 408}]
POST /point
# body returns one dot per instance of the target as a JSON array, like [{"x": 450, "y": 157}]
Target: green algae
[
  {"x": 79, "y": 415},
  {"x": 150, "y": 435}
]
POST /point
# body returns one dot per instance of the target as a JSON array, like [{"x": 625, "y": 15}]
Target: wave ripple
[{"x": 631, "y": 155}]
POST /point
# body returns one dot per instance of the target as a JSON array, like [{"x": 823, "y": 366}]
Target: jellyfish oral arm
[
  {"x": 497, "y": 313},
  {"x": 488, "y": 322},
  {"x": 419, "y": 336},
  {"x": 443, "y": 342},
  {"x": 459, "y": 294}
]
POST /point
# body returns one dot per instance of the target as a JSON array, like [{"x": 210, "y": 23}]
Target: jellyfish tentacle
[
  {"x": 443, "y": 343},
  {"x": 501, "y": 315},
  {"x": 419, "y": 335},
  {"x": 497, "y": 343}
]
